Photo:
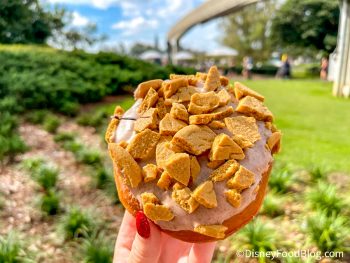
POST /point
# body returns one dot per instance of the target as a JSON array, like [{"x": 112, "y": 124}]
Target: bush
[
  {"x": 10, "y": 249},
  {"x": 325, "y": 198},
  {"x": 32, "y": 164},
  {"x": 50, "y": 203},
  {"x": 46, "y": 177},
  {"x": 89, "y": 156},
  {"x": 281, "y": 179},
  {"x": 97, "y": 249},
  {"x": 51, "y": 123},
  {"x": 64, "y": 137},
  {"x": 318, "y": 172},
  {"x": 328, "y": 233},
  {"x": 36, "y": 116},
  {"x": 77, "y": 224},
  {"x": 273, "y": 205}
]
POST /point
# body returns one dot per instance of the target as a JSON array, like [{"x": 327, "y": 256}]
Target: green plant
[
  {"x": 102, "y": 178},
  {"x": 51, "y": 123},
  {"x": 50, "y": 203},
  {"x": 64, "y": 137},
  {"x": 97, "y": 249},
  {"x": 325, "y": 197},
  {"x": 95, "y": 119},
  {"x": 32, "y": 164},
  {"x": 281, "y": 180},
  {"x": 36, "y": 116},
  {"x": 258, "y": 236},
  {"x": 273, "y": 205},
  {"x": 73, "y": 146},
  {"x": 318, "y": 172},
  {"x": 77, "y": 224},
  {"x": 10, "y": 249},
  {"x": 89, "y": 156},
  {"x": 46, "y": 176},
  {"x": 328, "y": 233}
]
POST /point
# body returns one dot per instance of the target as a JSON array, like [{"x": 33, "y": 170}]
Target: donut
[{"x": 194, "y": 153}]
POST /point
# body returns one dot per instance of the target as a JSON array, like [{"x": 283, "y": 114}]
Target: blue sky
[{"x": 129, "y": 21}]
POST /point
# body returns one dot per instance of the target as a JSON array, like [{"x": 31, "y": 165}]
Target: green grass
[
  {"x": 315, "y": 125},
  {"x": 10, "y": 249},
  {"x": 97, "y": 249}
]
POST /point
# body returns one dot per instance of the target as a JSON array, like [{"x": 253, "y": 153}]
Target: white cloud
[
  {"x": 136, "y": 24},
  {"x": 101, "y": 4},
  {"x": 79, "y": 20}
]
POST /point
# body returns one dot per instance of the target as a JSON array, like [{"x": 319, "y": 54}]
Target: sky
[{"x": 129, "y": 21}]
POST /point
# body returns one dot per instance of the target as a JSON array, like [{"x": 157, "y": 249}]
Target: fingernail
[{"x": 142, "y": 225}]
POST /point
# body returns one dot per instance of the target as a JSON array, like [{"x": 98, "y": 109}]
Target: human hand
[{"x": 141, "y": 241}]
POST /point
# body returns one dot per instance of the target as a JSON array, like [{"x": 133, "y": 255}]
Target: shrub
[
  {"x": 10, "y": 249},
  {"x": 77, "y": 224},
  {"x": 258, "y": 236},
  {"x": 102, "y": 177},
  {"x": 64, "y": 137},
  {"x": 50, "y": 203},
  {"x": 36, "y": 116},
  {"x": 325, "y": 197},
  {"x": 328, "y": 233},
  {"x": 95, "y": 119},
  {"x": 32, "y": 164},
  {"x": 89, "y": 156},
  {"x": 280, "y": 180},
  {"x": 318, "y": 173},
  {"x": 72, "y": 146},
  {"x": 97, "y": 249},
  {"x": 273, "y": 205},
  {"x": 51, "y": 123},
  {"x": 46, "y": 177}
]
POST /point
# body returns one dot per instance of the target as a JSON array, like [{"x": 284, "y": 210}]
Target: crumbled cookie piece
[
  {"x": 179, "y": 167},
  {"x": 274, "y": 142},
  {"x": 242, "y": 91},
  {"x": 157, "y": 212},
  {"x": 164, "y": 181},
  {"x": 242, "y": 179},
  {"x": 212, "y": 82},
  {"x": 110, "y": 132},
  {"x": 171, "y": 86},
  {"x": 150, "y": 172},
  {"x": 225, "y": 148},
  {"x": 253, "y": 107},
  {"x": 205, "y": 194},
  {"x": 123, "y": 144},
  {"x": 179, "y": 111},
  {"x": 224, "y": 97},
  {"x": 216, "y": 231},
  {"x": 241, "y": 141},
  {"x": 182, "y": 95},
  {"x": 143, "y": 88},
  {"x": 118, "y": 111},
  {"x": 243, "y": 126},
  {"x": 163, "y": 151},
  {"x": 233, "y": 197},
  {"x": 149, "y": 101},
  {"x": 149, "y": 198},
  {"x": 169, "y": 125},
  {"x": 162, "y": 109},
  {"x": 195, "y": 168},
  {"x": 216, "y": 125},
  {"x": 143, "y": 144},
  {"x": 217, "y": 114},
  {"x": 203, "y": 102},
  {"x": 192, "y": 80},
  {"x": 225, "y": 171},
  {"x": 201, "y": 76},
  {"x": 184, "y": 199},
  {"x": 148, "y": 120},
  {"x": 178, "y": 186},
  {"x": 128, "y": 167},
  {"x": 194, "y": 139},
  {"x": 175, "y": 148},
  {"x": 224, "y": 81},
  {"x": 214, "y": 164}
]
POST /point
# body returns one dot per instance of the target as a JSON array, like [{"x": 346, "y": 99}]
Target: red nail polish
[{"x": 142, "y": 225}]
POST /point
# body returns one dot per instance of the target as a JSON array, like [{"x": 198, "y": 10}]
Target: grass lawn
[{"x": 315, "y": 125}]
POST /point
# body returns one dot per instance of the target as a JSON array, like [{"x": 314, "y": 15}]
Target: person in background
[
  {"x": 285, "y": 69},
  {"x": 324, "y": 68},
  {"x": 247, "y": 65}
]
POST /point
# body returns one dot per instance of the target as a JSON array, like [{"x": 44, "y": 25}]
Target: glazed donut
[{"x": 194, "y": 153}]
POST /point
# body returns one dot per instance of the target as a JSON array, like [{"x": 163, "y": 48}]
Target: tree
[
  {"x": 138, "y": 48},
  {"x": 309, "y": 25},
  {"x": 248, "y": 31},
  {"x": 25, "y": 21}
]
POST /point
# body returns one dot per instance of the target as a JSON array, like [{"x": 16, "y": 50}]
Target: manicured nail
[{"x": 142, "y": 225}]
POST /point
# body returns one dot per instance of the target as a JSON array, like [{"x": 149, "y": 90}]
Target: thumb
[{"x": 147, "y": 243}]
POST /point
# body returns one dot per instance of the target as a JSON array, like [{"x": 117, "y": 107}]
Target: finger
[
  {"x": 125, "y": 238},
  {"x": 146, "y": 250},
  {"x": 202, "y": 252}
]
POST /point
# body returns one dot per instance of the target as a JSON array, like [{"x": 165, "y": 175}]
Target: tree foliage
[
  {"x": 248, "y": 31},
  {"x": 307, "y": 24},
  {"x": 27, "y": 22}
]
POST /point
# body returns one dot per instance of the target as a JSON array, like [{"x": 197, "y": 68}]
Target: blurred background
[{"x": 65, "y": 64}]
